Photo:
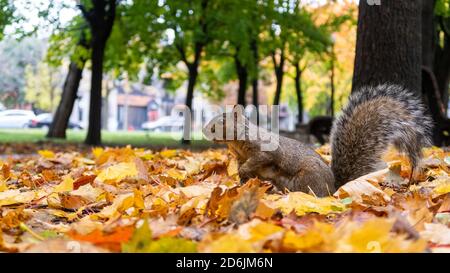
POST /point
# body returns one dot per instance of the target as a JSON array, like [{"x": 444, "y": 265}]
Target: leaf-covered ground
[{"x": 136, "y": 200}]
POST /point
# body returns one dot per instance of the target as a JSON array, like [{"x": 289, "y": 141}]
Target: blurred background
[{"x": 112, "y": 71}]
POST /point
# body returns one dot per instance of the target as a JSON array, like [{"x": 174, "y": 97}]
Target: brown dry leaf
[{"x": 365, "y": 190}]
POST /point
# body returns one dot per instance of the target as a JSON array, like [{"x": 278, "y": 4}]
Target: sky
[{"x": 29, "y": 9}]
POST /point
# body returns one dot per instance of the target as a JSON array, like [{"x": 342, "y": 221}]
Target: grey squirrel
[{"x": 373, "y": 118}]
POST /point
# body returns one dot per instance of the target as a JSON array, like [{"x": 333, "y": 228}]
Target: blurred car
[
  {"x": 45, "y": 120},
  {"x": 15, "y": 118},
  {"x": 164, "y": 124}
]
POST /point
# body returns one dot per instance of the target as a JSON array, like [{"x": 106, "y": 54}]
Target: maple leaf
[
  {"x": 111, "y": 240},
  {"x": 65, "y": 185},
  {"x": 302, "y": 203},
  {"x": 143, "y": 242},
  {"x": 11, "y": 197},
  {"x": 46, "y": 154},
  {"x": 117, "y": 172}
]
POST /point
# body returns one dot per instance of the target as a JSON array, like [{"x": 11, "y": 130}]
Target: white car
[
  {"x": 15, "y": 118},
  {"x": 164, "y": 124}
]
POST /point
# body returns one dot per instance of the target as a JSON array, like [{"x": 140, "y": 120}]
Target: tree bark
[
  {"x": 279, "y": 73},
  {"x": 442, "y": 68},
  {"x": 254, "y": 46},
  {"x": 95, "y": 104},
  {"x": 192, "y": 79},
  {"x": 68, "y": 97},
  {"x": 298, "y": 91},
  {"x": 388, "y": 47},
  {"x": 242, "y": 74},
  {"x": 101, "y": 19},
  {"x": 332, "y": 84}
]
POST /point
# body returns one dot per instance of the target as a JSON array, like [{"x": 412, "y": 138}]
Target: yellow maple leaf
[
  {"x": 176, "y": 174},
  {"x": 312, "y": 239},
  {"x": 228, "y": 243},
  {"x": 302, "y": 203},
  {"x": 168, "y": 153},
  {"x": 46, "y": 153},
  {"x": 11, "y": 197},
  {"x": 65, "y": 185},
  {"x": 118, "y": 172},
  {"x": 442, "y": 188},
  {"x": 120, "y": 204},
  {"x": 97, "y": 151},
  {"x": 3, "y": 186},
  {"x": 374, "y": 236}
]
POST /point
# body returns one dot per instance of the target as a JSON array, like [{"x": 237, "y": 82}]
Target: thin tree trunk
[
  {"x": 242, "y": 74},
  {"x": 254, "y": 46},
  {"x": 95, "y": 110},
  {"x": 388, "y": 47},
  {"x": 193, "y": 74},
  {"x": 68, "y": 97},
  {"x": 332, "y": 85},
  {"x": 279, "y": 73},
  {"x": 442, "y": 69},
  {"x": 298, "y": 91}
]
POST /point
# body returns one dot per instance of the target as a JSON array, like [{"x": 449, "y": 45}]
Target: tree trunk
[
  {"x": 254, "y": 46},
  {"x": 279, "y": 73},
  {"x": 428, "y": 33},
  {"x": 242, "y": 74},
  {"x": 192, "y": 79},
  {"x": 101, "y": 20},
  {"x": 93, "y": 136},
  {"x": 442, "y": 69},
  {"x": 298, "y": 91},
  {"x": 332, "y": 85},
  {"x": 68, "y": 97},
  {"x": 388, "y": 47}
]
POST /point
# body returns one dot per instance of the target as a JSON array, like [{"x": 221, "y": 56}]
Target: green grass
[{"x": 134, "y": 138}]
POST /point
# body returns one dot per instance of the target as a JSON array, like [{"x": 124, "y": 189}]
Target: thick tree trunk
[
  {"x": 242, "y": 74},
  {"x": 93, "y": 136},
  {"x": 298, "y": 91},
  {"x": 388, "y": 47},
  {"x": 68, "y": 97}
]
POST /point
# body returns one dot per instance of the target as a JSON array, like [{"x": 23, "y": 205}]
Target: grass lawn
[{"x": 134, "y": 138}]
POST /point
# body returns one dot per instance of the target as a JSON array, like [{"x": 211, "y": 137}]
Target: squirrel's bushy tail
[{"x": 374, "y": 118}]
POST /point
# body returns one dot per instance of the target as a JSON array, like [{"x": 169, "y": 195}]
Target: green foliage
[
  {"x": 6, "y": 15},
  {"x": 66, "y": 42},
  {"x": 442, "y": 8},
  {"x": 42, "y": 86}
]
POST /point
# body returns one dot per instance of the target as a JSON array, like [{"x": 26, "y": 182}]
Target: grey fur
[{"x": 374, "y": 118}]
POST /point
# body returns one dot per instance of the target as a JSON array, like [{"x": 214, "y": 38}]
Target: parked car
[
  {"x": 15, "y": 118},
  {"x": 164, "y": 124},
  {"x": 45, "y": 120}
]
